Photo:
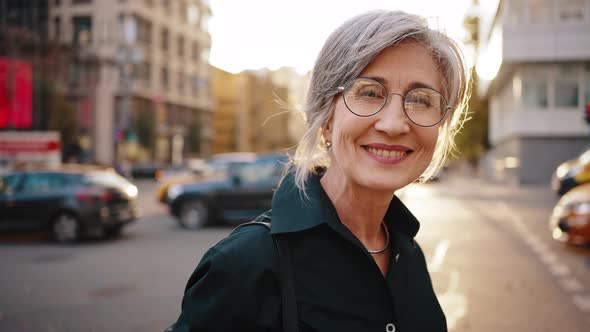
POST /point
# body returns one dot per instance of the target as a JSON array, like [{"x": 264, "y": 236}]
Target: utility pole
[{"x": 127, "y": 57}]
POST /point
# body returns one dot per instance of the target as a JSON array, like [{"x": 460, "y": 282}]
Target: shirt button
[{"x": 390, "y": 327}]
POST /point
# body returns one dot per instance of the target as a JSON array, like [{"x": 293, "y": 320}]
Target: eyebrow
[{"x": 410, "y": 86}]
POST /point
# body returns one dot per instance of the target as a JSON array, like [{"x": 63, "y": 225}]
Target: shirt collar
[{"x": 292, "y": 212}]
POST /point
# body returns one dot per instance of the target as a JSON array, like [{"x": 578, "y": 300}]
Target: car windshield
[
  {"x": 8, "y": 182},
  {"x": 262, "y": 170}
]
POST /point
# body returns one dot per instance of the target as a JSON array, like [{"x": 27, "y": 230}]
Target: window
[
  {"x": 195, "y": 85},
  {"x": 193, "y": 14},
  {"x": 264, "y": 171},
  {"x": 164, "y": 77},
  {"x": 180, "y": 46},
  {"x": 540, "y": 11},
  {"x": 82, "y": 30},
  {"x": 566, "y": 93},
  {"x": 144, "y": 31},
  {"x": 571, "y": 10},
  {"x": 166, "y": 5},
  {"x": 164, "y": 39},
  {"x": 9, "y": 183},
  {"x": 57, "y": 29},
  {"x": 566, "y": 86},
  {"x": 183, "y": 11},
  {"x": 143, "y": 73},
  {"x": 44, "y": 182},
  {"x": 180, "y": 79},
  {"x": 534, "y": 93},
  {"x": 195, "y": 51},
  {"x": 587, "y": 92}
]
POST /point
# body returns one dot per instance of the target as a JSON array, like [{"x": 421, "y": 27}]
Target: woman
[{"x": 385, "y": 99}]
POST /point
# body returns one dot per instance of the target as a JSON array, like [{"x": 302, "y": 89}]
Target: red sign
[
  {"x": 14, "y": 147},
  {"x": 16, "y": 92}
]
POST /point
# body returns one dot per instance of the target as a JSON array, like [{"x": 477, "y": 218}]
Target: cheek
[
  {"x": 428, "y": 140},
  {"x": 346, "y": 126}
]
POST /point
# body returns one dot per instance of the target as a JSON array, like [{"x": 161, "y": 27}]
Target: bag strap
[
  {"x": 289, "y": 303},
  {"x": 290, "y": 320}
]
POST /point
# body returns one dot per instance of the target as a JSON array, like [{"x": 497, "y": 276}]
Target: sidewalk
[{"x": 478, "y": 188}]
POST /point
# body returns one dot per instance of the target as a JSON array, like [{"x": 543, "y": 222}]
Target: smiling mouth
[{"x": 385, "y": 153}]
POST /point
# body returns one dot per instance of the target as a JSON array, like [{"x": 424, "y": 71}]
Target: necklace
[{"x": 378, "y": 251}]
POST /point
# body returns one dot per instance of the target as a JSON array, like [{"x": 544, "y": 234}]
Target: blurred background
[{"x": 134, "y": 134}]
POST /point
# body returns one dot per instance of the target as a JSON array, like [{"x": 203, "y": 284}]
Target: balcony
[{"x": 545, "y": 42}]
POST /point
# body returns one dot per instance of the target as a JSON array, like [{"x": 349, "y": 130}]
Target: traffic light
[{"x": 587, "y": 113}]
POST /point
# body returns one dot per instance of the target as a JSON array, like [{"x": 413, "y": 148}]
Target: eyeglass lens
[{"x": 366, "y": 97}]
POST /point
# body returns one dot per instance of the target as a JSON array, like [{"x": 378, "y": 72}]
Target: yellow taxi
[{"x": 570, "y": 220}]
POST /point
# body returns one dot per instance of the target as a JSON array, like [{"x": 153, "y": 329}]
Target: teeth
[{"x": 387, "y": 153}]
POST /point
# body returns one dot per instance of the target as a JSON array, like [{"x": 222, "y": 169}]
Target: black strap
[
  {"x": 289, "y": 303},
  {"x": 290, "y": 320}
]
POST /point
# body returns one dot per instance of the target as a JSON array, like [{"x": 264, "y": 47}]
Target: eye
[
  {"x": 423, "y": 99},
  {"x": 370, "y": 91}
]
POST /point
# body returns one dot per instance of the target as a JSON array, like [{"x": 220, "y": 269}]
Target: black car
[
  {"x": 70, "y": 204},
  {"x": 239, "y": 192},
  {"x": 146, "y": 170}
]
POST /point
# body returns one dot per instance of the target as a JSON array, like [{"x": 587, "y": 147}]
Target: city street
[{"x": 491, "y": 256}]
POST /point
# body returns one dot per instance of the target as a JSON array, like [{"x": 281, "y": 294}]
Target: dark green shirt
[{"x": 338, "y": 285}]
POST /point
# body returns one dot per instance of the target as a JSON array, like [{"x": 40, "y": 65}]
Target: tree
[{"x": 472, "y": 140}]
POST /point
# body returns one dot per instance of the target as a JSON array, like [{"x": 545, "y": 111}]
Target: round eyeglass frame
[{"x": 342, "y": 89}]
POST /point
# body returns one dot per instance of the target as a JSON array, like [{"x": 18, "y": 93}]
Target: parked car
[
  {"x": 570, "y": 220},
  {"x": 145, "y": 170},
  {"x": 216, "y": 164},
  {"x": 70, "y": 203},
  {"x": 236, "y": 192},
  {"x": 571, "y": 173}
]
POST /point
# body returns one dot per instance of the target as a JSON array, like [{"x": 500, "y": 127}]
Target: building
[
  {"x": 23, "y": 37},
  {"x": 533, "y": 65},
  {"x": 140, "y": 73},
  {"x": 253, "y": 112},
  {"x": 229, "y": 106},
  {"x": 297, "y": 90}
]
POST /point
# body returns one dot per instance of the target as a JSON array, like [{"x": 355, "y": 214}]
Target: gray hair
[{"x": 346, "y": 53}]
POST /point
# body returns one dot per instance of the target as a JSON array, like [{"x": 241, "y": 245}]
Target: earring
[{"x": 328, "y": 145}]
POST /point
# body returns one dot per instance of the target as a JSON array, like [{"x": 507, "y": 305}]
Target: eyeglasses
[{"x": 365, "y": 97}]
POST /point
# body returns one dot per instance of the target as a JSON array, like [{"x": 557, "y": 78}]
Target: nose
[{"x": 392, "y": 119}]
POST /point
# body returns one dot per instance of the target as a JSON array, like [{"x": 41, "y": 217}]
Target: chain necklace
[{"x": 378, "y": 251}]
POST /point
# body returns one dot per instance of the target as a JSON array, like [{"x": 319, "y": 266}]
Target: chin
[{"x": 389, "y": 184}]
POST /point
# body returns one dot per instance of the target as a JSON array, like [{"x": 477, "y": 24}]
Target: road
[{"x": 492, "y": 260}]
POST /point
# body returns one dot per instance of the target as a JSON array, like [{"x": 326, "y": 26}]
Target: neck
[{"x": 360, "y": 209}]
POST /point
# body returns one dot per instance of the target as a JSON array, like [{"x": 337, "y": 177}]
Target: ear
[{"x": 327, "y": 130}]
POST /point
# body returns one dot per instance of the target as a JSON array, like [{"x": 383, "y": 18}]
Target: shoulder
[
  {"x": 247, "y": 248},
  {"x": 233, "y": 285}
]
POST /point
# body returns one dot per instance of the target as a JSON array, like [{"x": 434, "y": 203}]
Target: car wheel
[
  {"x": 114, "y": 231},
  {"x": 193, "y": 214},
  {"x": 65, "y": 228}
]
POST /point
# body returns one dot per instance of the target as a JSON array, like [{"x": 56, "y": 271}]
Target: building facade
[
  {"x": 254, "y": 111},
  {"x": 146, "y": 92},
  {"x": 533, "y": 65}
]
